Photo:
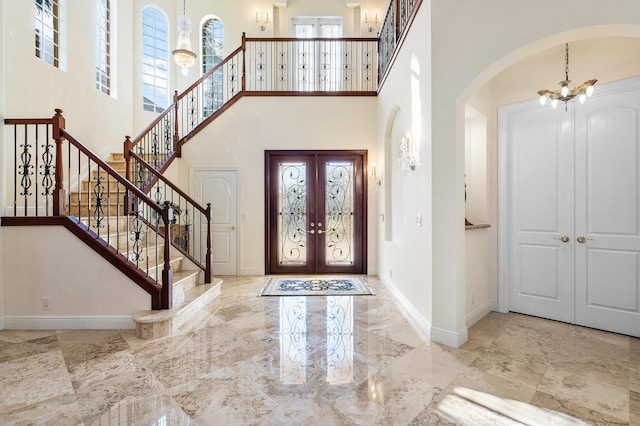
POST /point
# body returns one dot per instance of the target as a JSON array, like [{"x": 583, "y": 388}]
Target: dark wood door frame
[{"x": 316, "y": 177}]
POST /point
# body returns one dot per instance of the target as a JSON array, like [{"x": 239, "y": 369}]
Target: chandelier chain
[{"x": 566, "y": 61}]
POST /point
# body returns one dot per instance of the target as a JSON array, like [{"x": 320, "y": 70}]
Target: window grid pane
[
  {"x": 155, "y": 58},
  {"x": 212, "y": 55},
  {"x": 103, "y": 46},
  {"x": 46, "y": 19}
]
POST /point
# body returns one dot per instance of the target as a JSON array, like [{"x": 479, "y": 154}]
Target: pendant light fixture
[
  {"x": 566, "y": 93},
  {"x": 183, "y": 55}
]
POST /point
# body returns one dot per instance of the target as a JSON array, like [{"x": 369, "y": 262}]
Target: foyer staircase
[{"x": 190, "y": 292}]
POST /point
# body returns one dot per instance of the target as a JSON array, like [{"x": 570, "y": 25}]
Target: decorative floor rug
[{"x": 314, "y": 286}]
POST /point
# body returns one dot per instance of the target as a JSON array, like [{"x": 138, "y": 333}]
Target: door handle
[
  {"x": 564, "y": 238},
  {"x": 583, "y": 240},
  {"x": 313, "y": 231},
  {"x": 233, "y": 228},
  {"x": 320, "y": 231}
]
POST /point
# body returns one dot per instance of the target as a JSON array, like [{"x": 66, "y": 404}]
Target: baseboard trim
[
  {"x": 251, "y": 271},
  {"x": 478, "y": 313},
  {"x": 411, "y": 312},
  {"x": 68, "y": 322},
  {"x": 449, "y": 338}
]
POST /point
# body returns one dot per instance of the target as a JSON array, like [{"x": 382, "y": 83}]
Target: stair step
[
  {"x": 155, "y": 324},
  {"x": 183, "y": 282},
  {"x": 113, "y": 195},
  {"x": 113, "y": 184},
  {"x": 84, "y": 210}
]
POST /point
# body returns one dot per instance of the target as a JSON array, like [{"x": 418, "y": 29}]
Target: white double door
[{"x": 573, "y": 196}]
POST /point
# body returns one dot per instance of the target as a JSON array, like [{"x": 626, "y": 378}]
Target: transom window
[
  {"x": 103, "y": 46},
  {"x": 47, "y": 31},
  {"x": 212, "y": 55},
  {"x": 155, "y": 60}
]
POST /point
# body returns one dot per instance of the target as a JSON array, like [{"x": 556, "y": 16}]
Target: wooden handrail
[
  {"x": 211, "y": 71},
  {"x": 307, "y": 39},
  {"x": 115, "y": 174},
  {"x": 28, "y": 121},
  {"x": 167, "y": 182},
  {"x": 153, "y": 124}
]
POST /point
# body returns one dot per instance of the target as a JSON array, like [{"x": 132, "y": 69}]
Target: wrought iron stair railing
[
  {"x": 190, "y": 221},
  {"x": 58, "y": 180}
]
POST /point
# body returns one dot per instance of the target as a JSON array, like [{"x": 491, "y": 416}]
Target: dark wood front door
[{"x": 316, "y": 210}]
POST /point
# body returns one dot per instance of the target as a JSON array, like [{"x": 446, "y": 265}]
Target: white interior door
[
  {"x": 573, "y": 174},
  {"x": 541, "y": 273},
  {"x": 219, "y": 187},
  {"x": 608, "y": 212}
]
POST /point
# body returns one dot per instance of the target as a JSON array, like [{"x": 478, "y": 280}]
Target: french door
[{"x": 315, "y": 212}]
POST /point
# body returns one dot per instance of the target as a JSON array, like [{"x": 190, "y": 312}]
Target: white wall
[
  {"x": 405, "y": 255},
  {"x": 37, "y": 261},
  {"x": 239, "y": 137},
  {"x": 34, "y": 88},
  {"x": 2, "y": 157}
]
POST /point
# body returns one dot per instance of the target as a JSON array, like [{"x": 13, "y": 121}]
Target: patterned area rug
[{"x": 315, "y": 286}]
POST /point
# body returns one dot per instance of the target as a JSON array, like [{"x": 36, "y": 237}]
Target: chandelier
[
  {"x": 566, "y": 93},
  {"x": 183, "y": 55}
]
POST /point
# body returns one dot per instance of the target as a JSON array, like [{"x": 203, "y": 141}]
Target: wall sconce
[
  {"x": 374, "y": 175},
  {"x": 408, "y": 155},
  {"x": 371, "y": 26},
  {"x": 262, "y": 22}
]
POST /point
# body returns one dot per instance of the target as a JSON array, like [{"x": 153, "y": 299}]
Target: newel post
[
  {"x": 167, "y": 273},
  {"x": 59, "y": 194},
  {"x": 208, "y": 272},
  {"x": 244, "y": 62},
  {"x": 176, "y": 134}
]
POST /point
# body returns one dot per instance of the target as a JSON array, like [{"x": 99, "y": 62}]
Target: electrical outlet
[
  {"x": 45, "y": 303},
  {"x": 473, "y": 299},
  {"x": 419, "y": 220}
]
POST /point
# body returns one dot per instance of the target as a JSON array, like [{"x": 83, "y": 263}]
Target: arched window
[
  {"x": 155, "y": 60},
  {"x": 212, "y": 54}
]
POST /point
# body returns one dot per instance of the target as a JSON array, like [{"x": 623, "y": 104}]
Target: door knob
[
  {"x": 320, "y": 231},
  {"x": 312, "y": 224},
  {"x": 564, "y": 238},
  {"x": 313, "y": 231},
  {"x": 583, "y": 240},
  {"x": 233, "y": 228}
]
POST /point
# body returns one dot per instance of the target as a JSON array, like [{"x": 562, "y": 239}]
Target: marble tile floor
[{"x": 352, "y": 360}]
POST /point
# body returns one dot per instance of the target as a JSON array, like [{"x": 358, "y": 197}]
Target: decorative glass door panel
[
  {"x": 316, "y": 212},
  {"x": 292, "y": 213},
  {"x": 338, "y": 213}
]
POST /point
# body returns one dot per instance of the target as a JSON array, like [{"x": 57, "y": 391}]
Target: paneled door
[
  {"x": 219, "y": 187},
  {"x": 315, "y": 212},
  {"x": 607, "y": 249},
  {"x": 573, "y": 208},
  {"x": 541, "y": 210}
]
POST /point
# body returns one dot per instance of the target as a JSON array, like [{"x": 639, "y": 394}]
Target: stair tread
[
  {"x": 150, "y": 316},
  {"x": 184, "y": 274}
]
